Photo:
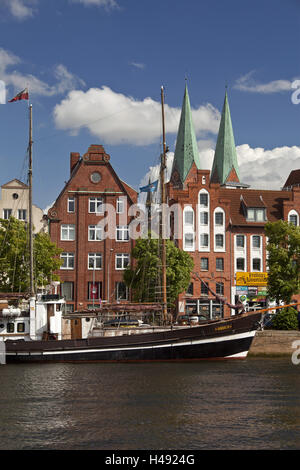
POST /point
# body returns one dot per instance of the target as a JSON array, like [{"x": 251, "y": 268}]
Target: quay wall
[{"x": 274, "y": 343}]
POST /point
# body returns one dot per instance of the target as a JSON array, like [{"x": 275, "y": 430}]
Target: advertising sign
[{"x": 252, "y": 279}]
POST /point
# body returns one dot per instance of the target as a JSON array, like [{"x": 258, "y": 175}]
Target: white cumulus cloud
[
  {"x": 9, "y": 73},
  {"x": 249, "y": 84},
  {"x": 119, "y": 119}
]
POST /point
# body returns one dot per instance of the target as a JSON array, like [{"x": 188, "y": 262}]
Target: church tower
[
  {"x": 186, "y": 157},
  {"x": 225, "y": 170}
]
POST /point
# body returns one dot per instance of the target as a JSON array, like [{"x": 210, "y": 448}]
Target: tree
[
  {"x": 14, "y": 257},
  {"x": 144, "y": 278},
  {"x": 285, "y": 319},
  {"x": 283, "y": 260}
]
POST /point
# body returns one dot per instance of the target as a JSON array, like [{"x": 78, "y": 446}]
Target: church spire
[
  {"x": 186, "y": 151},
  {"x": 225, "y": 166}
]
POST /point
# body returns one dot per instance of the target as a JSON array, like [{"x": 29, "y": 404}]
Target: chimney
[{"x": 74, "y": 159}]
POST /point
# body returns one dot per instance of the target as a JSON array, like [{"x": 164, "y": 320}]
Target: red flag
[{"x": 23, "y": 95}]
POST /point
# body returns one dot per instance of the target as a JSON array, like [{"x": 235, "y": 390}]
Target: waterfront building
[
  {"x": 96, "y": 247},
  {"x": 14, "y": 203},
  {"x": 223, "y": 220}
]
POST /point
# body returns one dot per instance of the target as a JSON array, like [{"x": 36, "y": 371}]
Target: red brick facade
[
  {"x": 93, "y": 262},
  {"x": 228, "y": 240}
]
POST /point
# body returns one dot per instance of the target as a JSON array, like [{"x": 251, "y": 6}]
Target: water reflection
[{"x": 252, "y": 404}]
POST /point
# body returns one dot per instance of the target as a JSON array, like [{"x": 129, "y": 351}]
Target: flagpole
[
  {"x": 30, "y": 203},
  {"x": 163, "y": 215}
]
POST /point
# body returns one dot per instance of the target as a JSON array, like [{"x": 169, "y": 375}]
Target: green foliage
[
  {"x": 286, "y": 319},
  {"x": 14, "y": 257},
  {"x": 283, "y": 260},
  {"x": 144, "y": 278}
]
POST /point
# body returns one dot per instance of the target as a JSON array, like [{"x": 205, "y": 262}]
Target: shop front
[{"x": 251, "y": 289}]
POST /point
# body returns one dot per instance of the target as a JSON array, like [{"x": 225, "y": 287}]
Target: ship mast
[
  {"x": 30, "y": 203},
  {"x": 163, "y": 214}
]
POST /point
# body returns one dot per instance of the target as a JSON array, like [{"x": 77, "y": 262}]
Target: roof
[
  {"x": 225, "y": 160},
  {"x": 186, "y": 151},
  {"x": 272, "y": 201},
  {"x": 293, "y": 179}
]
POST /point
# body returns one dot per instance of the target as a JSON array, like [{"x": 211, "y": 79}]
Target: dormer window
[{"x": 256, "y": 214}]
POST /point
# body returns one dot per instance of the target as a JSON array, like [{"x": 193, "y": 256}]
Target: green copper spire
[
  {"x": 225, "y": 165},
  {"x": 186, "y": 151}
]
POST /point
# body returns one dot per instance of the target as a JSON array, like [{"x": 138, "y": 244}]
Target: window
[
  {"x": 204, "y": 264},
  {"x": 190, "y": 289},
  {"x": 219, "y": 218},
  {"x": 95, "y": 233},
  {"x": 10, "y": 327},
  {"x": 219, "y": 240},
  {"x": 21, "y": 327},
  {"x": 203, "y": 199},
  {"x": 204, "y": 289},
  {"x": 256, "y": 241},
  {"x": 95, "y": 177},
  {"x": 240, "y": 241},
  {"x": 204, "y": 240},
  {"x": 95, "y": 261},
  {"x": 66, "y": 290},
  {"x": 122, "y": 233},
  {"x": 256, "y": 214},
  {"x": 189, "y": 241},
  {"x": 189, "y": 217},
  {"x": 69, "y": 308},
  {"x": 122, "y": 260},
  {"x": 67, "y": 232},
  {"x": 7, "y": 213},
  {"x": 293, "y": 219},
  {"x": 71, "y": 204},
  {"x": 204, "y": 218},
  {"x": 96, "y": 205},
  {"x": 94, "y": 290},
  {"x": 220, "y": 264},
  {"x": 256, "y": 263},
  {"x": 220, "y": 288},
  {"x": 121, "y": 291},
  {"x": 240, "y": 264},
  {"x": 120, "y": 205},
  {"x": 68, "y": 260},
  {"x": 22, "y": 214}
]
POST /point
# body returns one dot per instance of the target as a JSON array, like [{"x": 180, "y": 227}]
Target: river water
[{"x": 250, "y": 404}]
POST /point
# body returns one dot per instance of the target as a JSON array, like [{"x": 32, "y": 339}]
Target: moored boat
[{"x": 221, "y": 339}]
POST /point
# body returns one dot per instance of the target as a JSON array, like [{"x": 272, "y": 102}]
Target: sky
[{"x": 94, "y": 70}]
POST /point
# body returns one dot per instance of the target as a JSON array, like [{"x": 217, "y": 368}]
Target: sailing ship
[{"x": 212, "y": 339}]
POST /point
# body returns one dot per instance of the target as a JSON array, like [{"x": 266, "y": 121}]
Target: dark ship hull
[{"x": 230, "y": 338}]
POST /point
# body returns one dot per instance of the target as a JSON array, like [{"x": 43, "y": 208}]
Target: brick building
[
  {"x": 89, "y": 222},
  {"x": 223, "y": 220}
]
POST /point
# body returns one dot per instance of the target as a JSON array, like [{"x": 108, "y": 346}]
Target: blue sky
[{"x": 94, "y": 69}]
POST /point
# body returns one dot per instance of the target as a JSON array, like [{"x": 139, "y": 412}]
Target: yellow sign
[{"x": 251, "y": 279}]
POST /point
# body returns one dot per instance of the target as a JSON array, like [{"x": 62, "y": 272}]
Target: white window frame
[
  {"x": 69, "y": 230},
  {"x": 120, "y": 205},
  {"x": 96, "y": 258},
  {"x": 7, "y": 215},
  {"x": 203, "y": 229},
  {"x": 188, "y": 229},
  {"x": 122, "y": 230},
  {"x": 294, "y": 214},
  {"x": 71, "y": 200},
  {"x": 22, "y": 212},
  {"x": 98, "y": 204},
  {"x": 68, "y": 256},
  {"x": 98, "y": 232},
  {"x": 125, "y": 260},
  {"x": 219, "y": 229}
]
